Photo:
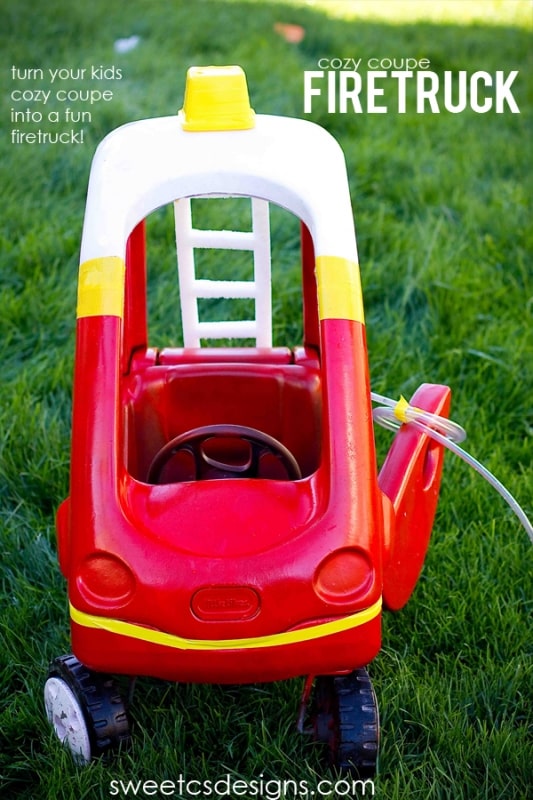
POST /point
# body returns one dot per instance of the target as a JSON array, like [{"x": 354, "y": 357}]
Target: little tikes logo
[
  {"x": 225, "y": 603},
  {"x": 401, "y": 85}
]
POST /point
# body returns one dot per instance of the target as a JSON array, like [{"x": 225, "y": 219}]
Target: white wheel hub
[{"x": 65, "y": 713}]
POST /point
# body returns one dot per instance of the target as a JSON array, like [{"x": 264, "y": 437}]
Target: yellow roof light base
[{"x": 216, "y": 99}]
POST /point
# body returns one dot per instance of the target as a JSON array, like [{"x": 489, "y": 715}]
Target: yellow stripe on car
[
  {"x": 101, "y": 287},
  {"x": 339, "y": 289},
  {"x": 153, "y": 636}
]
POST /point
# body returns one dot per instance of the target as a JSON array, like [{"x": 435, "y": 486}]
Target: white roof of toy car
[{"x": 146, "y": 164}]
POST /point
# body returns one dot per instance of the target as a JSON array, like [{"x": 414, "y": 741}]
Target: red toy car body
[{"x": 211, "y": 559}]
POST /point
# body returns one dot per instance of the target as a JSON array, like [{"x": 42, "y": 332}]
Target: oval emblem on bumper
[{"x": 225, "y": 603}]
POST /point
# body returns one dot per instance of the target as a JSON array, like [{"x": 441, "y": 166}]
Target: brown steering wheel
[{"x": 205, "y": 445}]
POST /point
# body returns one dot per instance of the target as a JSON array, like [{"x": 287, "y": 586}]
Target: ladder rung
[
  {"x": 241, "y": 329},
  {"x": 228, "y": 289},
  {"x": 225, "y": 240}
]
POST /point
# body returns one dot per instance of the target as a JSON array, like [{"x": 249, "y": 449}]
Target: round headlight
[
  {"x": 105, "y": 579},
  {"x": 344, "y": 575}
]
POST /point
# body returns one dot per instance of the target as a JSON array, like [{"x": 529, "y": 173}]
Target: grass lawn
[{"x": 443, "y": 214}]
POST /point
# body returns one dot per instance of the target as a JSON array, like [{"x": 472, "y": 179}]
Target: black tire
[
  {"x": 96, "y": 723},
  {"x": 345, "y": 717}
]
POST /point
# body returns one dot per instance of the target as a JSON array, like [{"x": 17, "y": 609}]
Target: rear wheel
[
  {"x": 345, "y": 718},
  {"x": 85, "y": 709}
]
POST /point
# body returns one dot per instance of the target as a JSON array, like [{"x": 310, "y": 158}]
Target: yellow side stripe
[
  {"x": 339, "y": 289},
  {"x": 101, "y": 287},
  {"x": 178, "y": 643}
]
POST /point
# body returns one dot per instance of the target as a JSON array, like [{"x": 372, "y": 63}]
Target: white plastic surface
[
  {"x": 291, "y": 162},
  {"x": 65, "y": 714}
]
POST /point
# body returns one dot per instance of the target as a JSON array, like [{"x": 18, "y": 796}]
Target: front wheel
[
  {"x": 345, "y": 717},
  {"x": 85, "y": 709}
]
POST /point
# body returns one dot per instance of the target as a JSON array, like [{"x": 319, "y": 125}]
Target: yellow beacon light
[{"x": 216, "y": 99}]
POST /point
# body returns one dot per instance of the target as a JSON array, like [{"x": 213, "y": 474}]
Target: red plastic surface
[
  {"x": 230, "y": 559},
  {"x": 410, "y": 477},
  {"x": 337, "y": 653},
  {"x": 179, "y": 580}
]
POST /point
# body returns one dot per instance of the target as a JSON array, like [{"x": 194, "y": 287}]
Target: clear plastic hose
[{"x": 393, "y": 413}]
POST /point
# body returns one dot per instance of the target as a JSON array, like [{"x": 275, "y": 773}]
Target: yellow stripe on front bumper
[{"x": 153, "y": 636}]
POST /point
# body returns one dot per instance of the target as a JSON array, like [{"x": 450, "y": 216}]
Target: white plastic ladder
[{"x": 192, "y": 289}]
